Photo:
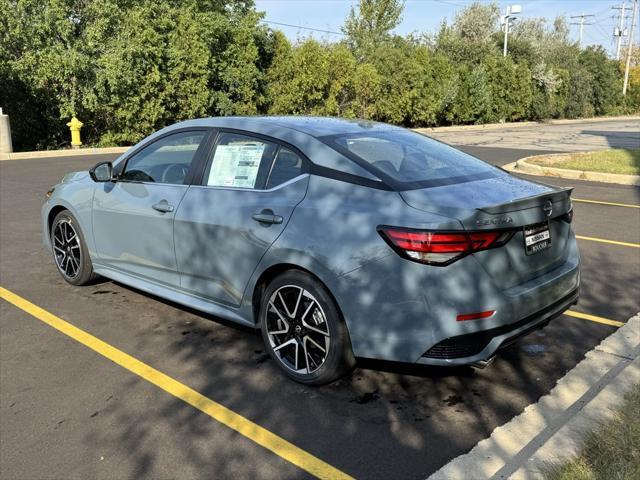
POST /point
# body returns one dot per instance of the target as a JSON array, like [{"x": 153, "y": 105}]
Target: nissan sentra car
[{"x": 338, "y": 239}]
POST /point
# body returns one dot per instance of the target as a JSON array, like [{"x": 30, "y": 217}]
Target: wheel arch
[
  {"x": 52, "y": 215},
  {"x": 274, "y": 271}
]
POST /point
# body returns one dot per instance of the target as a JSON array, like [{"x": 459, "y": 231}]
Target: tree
[
  {"x": 477, "y": 23},
  {"x": 367, "y": 90},
  {"x": 341, "y": 87},
  {"x": 605, "y": 83},
  {"x": 128, "y": 68},
  {"x": 300, "y": 79},
  {"x": 371, "y": 24}
]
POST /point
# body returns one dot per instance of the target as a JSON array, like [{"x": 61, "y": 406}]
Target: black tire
[
  {"x": 338, "y": 359},
  {"x": 71, "y": 259}
]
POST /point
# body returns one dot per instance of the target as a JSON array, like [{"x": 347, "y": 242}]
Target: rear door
[
  {"x": 133, "y": 217},
  {"x": 250, "y": 186}
]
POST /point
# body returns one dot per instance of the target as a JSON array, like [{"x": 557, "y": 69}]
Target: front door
[
  {"x": 133, "y": 217},
  {"x": 224, "y": 226}
]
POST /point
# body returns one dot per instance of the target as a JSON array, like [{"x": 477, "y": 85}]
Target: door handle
[
  {"x": 163, "y": 207},
  {"x": 267, "y": 216}
]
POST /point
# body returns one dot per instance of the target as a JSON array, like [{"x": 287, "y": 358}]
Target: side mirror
[{"x": 102, "y": 172}]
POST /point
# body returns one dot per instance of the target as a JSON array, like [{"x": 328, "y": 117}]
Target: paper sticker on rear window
[{"x": 236, "y": 165}]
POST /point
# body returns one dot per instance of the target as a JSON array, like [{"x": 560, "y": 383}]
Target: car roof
[{"x": 314, "y": 126}]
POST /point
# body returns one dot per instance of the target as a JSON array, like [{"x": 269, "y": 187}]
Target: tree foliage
[{"x": 127, "y": 68}]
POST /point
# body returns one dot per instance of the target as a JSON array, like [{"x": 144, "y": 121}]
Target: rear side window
[
  {"x": 410, "y": 159},
  {"x": 287, "y": 165},
  {"x": 240, "y": 161}
]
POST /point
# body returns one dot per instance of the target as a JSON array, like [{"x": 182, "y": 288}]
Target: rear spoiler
[{"x": 561, "y": 195}]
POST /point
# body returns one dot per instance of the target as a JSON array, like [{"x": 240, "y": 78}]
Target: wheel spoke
[
  {"x": 306, "y": 354},
  {"x": 314, "y": 329},
  {"x": 286, "y": 309},
  {"x": 295, "y": 309},
  {"x": 284, "y": 344},
  {"x": 60, "y": 261},
  {"x": 296, "y": 354},
  {"x": 74, "y": 264},
  {"x": 311, "y": 305},
  {"x": 281, "y": 320},
  {"x": 324, "y": 350}
]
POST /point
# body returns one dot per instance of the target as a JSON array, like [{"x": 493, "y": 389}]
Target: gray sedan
[{"x": 337, "y": 238}]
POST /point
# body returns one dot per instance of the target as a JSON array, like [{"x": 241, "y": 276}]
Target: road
[
  {"x": 557, "y": 137},
  {"x": 67, "y": 412}
]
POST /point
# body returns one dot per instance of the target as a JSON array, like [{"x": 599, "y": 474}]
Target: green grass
[
  {"x": 622, "y": 161},
  {"x": 611, "y": 452}
]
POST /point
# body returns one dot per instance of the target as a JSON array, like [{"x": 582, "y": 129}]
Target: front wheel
[
  {"x": 303, "y": 330},
  {"x": 69, "y": 249}
]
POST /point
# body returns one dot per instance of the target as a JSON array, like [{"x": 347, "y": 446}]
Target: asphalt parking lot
[{"x": 68, "y": 412}]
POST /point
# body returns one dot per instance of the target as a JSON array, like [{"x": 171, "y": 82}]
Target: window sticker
[{"x": 236, "y": 165}]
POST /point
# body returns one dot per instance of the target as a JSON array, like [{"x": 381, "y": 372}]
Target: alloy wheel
[
  {"x": 66, "y": 248},
  {"x": 297, "y": 329}
]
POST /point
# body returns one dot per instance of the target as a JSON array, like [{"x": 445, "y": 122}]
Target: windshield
[{"x": 410, "y": 159}]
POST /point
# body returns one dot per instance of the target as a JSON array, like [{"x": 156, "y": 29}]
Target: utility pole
[
  {"x": 620, "y": 31},
  {"x": 630, "y": 47},
  {"x": 582, "y": 24},
  {"x": 512, "y": 10}
]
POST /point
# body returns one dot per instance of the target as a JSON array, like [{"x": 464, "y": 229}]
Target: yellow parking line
[
  {"x": 218, "y": 412},
  {"x": 593, "y": 318},
  {"x": 612, "y": 242},
  {"x": 583, "y": 200}
]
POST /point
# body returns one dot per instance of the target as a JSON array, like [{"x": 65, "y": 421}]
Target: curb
[
  {"x": 552, "y": 429},
  {"x": 497, "y": 126},
  {"x": 61, "y": 153},
  {"x": 523, "y": 166}
]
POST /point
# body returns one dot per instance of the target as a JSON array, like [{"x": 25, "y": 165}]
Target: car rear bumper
[
  {"x": 407, "y": 312},
  {"x": 482, "y": 346}
]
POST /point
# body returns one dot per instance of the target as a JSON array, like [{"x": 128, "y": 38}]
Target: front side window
[
  {"x": 167, "y": 160},
  {"x": 412, "y": 160},
  {"x": 240, "y": 161}
]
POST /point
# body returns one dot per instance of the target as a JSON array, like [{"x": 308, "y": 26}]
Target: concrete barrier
[
  {"x": 523, "y": 166},
  {"x": 6, "y": 146}
]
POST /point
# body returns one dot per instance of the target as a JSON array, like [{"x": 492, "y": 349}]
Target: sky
[{"x": 426, "y": 15}]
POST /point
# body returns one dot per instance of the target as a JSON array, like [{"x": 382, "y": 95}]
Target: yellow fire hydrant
[{"x": 75, "y": 125}]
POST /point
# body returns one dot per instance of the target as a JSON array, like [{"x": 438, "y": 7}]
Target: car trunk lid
[{"x": 505, "y": 202}]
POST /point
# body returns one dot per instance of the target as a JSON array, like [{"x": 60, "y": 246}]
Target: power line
[
  {"x": 582, "y": 24},
  {"x": 301, "y": 27}
]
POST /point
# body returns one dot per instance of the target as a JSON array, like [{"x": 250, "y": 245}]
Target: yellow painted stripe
[
  {"x": 593, "y": 318},
  {"x": 598, "y": 202},
  {"x": 218, "y": 412},
  {"x": 612, "y": 242}
]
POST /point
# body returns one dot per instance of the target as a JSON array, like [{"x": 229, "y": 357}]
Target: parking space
[{"x": 69, "y": 411}]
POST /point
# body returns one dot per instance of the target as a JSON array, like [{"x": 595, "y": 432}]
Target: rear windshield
[{"x": 411, "y": 160}]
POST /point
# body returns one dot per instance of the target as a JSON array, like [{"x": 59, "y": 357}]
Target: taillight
[{"x": 441, "y": 248}]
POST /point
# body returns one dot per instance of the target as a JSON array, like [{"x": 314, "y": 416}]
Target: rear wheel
[
  {"x": 303, "y": 330},
  {"x": 69, "y": 249}
]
